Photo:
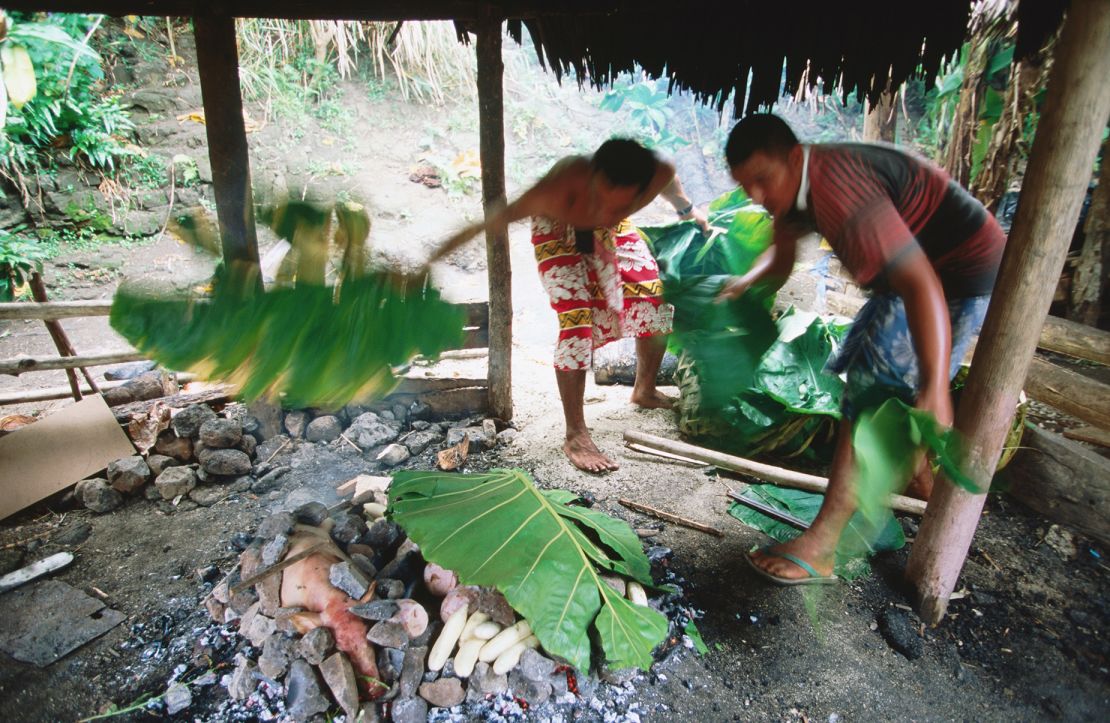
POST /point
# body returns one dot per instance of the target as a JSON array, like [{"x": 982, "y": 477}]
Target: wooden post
[
  {"x": 1088, "y": 286},
  {"x": 218, "y": 64},
  {"x": 1076, "y": 111},
  {"x": 491, "y": 131}
]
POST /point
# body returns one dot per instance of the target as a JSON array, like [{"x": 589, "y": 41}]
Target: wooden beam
[
  {"x": 338, "y": 9},
  {"x": 218, "y": 65},
  {"x": 19, "y": 365},
  {"x": 491, "y": 133},
  {"x": 1076, "y": 111},
  {"x": 1064, "y": 481},
  {"x": 1069, "y": 392},
  {"x": 767, "y": 472},
  {"x": 52, "y": 310}
]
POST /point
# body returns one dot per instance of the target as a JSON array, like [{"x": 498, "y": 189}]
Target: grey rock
[
  {"x": 409, "y": 710},
  {"x": 158, "y": 463},
  {"x": 128, "y": 474},
  {"x": 277, "y": 651},
  {"x": 279, "y": 523},
  {"x": 241, "y": 484},
  {"x": 340, "y": 678},
  {"x": 207, "y": 496},
  {"x": 363, "y": 563},
  {"x": 242, "y": 681},
  {"x": 295, "y": 423},
  {"x": 247, "y": 445},
  {"x": 900, "y": 634},
  {"x": 412, "y": 671},
  {"x": 419, "y": 410},
  {"x": 220, "y": 433},
  {"x": 303, "y": 698},
  {"x": 384, "y": 535},
  {"x": 128, "y": 371},
  {"x": 420, "y": 425},
  {"x": 188, "y": 421},
  {"x": 152, "y": 493},
  {"x": 391, "y": 662},
  {"x": 376, "y": 610},
  {"x": 369, "y": 430},
  {"x": 177, "y": 698},
  {"x": 535, "y": 692},
  {"x": 99, "y": 497},
  {"x": 536, "y": 666},
  {"x": 348, "y": 578},
  {"x": 348, "y": 528},
  {"x": 227, "y": 462},
  {"x": 259, "y": 628},
  {"x": 419, "y": 441},
  {"x": 476, "y": 435},
  {"x": 270, "y": 480},
  {"x": 171, "y": 445},
  {"x": 310, "y": 513},
  {"x": 367, "y": 713},
  {"x": 316, "y": 645},
  {"x": 175, "y": 481},
  {"x": 268, "y": 418},
  {"x": 489, "y": 426},
  {"x": 390, "y": 589},
  {"x": 323, "y": 429},
  {"x": 483, "y": 681},
  {"x": 388, "y": 634},
  {"x": 185, "y": 505},
  {"x": 507, "y": 436},
  {"x": 617, "y": 676},
  {"x": 275, "y": 549},
  {"x": 393, "y": 455},
  {"x": 75, "y": 534},
  {"x": 443, "y": 693}
]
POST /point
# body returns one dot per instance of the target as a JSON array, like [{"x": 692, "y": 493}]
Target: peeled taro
[{"x": 440, "y": 581}]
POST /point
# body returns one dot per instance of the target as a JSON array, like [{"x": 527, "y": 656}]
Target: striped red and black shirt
[{"x": 874, "y": 202}]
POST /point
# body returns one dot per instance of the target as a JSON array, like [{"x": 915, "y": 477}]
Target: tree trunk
[
  {"x": 1089, "y": 285},
  {"x": 880, "y": 122},
  {"x": 1076, "y": 111},
  {"x": 965, "y": 121}
]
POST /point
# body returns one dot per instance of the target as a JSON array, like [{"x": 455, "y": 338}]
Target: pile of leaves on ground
[{"x": 749, "y": 383}]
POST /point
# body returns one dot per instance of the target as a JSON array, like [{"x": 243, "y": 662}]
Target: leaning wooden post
[
  {"x": 218, "y": 64},
  {"x": 491, "y": 131},
  {"x": 1076, "y": 111}
]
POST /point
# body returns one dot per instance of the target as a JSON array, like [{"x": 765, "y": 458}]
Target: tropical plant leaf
[
  {"x": 886, "y": 442},
  {"x": 498, "y": 529},
  {"x": 301, "y": 344},
  {"x": 792, "y": 370}
]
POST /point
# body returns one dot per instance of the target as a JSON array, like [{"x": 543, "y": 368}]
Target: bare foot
[
  {"x": 584, "y": 454},
  {"x": 654, "y": 399},
  {"x": 770, "y": 562}
]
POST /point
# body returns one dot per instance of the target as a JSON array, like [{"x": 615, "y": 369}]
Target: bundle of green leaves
[{"x": 309, "y": 344}]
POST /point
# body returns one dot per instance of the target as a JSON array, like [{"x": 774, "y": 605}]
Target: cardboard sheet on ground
[
  {"x": 53, "y": 453},
  {"x": 49, "y": 619}
]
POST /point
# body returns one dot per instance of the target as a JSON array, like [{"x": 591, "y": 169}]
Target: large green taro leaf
[
  {"x": 498, "y": 529},
  {"x": 301, "y": 344},
  {"x": 793, "y": 370}
]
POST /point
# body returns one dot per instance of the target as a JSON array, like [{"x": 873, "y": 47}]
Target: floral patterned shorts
[
  {"x": 879, "y": 357},
  {"x": 602, "y": 296}
]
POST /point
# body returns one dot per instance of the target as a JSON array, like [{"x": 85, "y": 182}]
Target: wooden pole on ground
[
  {"x": 1076, "y": 112},
  {"x": 218, "y": 65},
  {"x": 491, "y": 131}
]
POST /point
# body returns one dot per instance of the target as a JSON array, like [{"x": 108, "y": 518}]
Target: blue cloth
[{"x": 878, "y": 356}]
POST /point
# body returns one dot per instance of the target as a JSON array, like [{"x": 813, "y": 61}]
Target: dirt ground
[{"x": 1025, "y": 640}]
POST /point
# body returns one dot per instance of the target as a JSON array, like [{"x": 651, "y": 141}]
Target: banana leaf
[
  {"x": 543, "y": 553},
  {"x": 301, "y": 344},
  {"x": 886, "y": 442},
  {"x": 862, "y": 537}
]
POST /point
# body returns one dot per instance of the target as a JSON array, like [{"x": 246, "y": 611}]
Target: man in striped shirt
[{"x": 926, "y": 249}]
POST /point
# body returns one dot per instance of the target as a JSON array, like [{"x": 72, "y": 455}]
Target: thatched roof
[{"x": 709, "y": 47}]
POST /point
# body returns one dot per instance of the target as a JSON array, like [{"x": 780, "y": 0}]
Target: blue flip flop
[{"x": 814, "y": 578}]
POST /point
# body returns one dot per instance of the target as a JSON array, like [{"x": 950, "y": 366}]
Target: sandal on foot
[{"x": 813, "y": 577}]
